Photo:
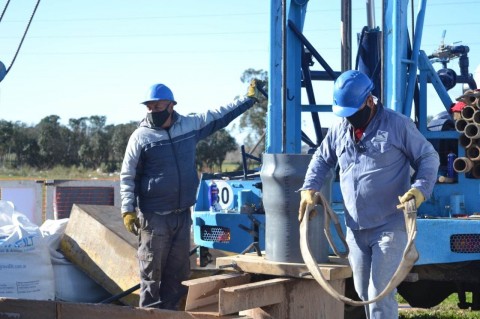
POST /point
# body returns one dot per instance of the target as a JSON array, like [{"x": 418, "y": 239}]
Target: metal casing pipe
[
  {"x": 465, "y": 141},
  {"x": 476, "y": 170},
  {"x": 460, "y": 125},
  {"x": 467, "y": 112},
  {"x": 473, "y": 153},
  {"x": 472, "y": 130},
  {"x": 462, "y": 165},
  {"x": 468, "y": 97},
  {"x": 282, "y": 175},
  {"x": 476, "y": 117}
]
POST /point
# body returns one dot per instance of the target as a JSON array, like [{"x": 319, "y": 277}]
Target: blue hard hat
[
  {"x": 159, "y": 92},
  {"x": 350, "y": 90}
]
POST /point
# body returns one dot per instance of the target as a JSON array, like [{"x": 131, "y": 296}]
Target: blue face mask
[{"x": 157, "y": 119}]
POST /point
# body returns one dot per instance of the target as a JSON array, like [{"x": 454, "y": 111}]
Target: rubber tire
[{"x": 425, "y": 293}]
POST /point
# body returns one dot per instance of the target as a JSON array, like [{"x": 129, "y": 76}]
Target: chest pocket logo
[
  {"x": 382, "y": 136},
  {"x": 379, "y": 149}
]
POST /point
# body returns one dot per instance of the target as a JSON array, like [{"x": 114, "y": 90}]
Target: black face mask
[
  {"x": 157, "y": 119},
  {"x": 360, "y": 119}
]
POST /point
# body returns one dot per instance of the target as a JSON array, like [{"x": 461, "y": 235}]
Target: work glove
[
  {"x": 306, "y": 198},
  {"x": 131, "y": 222},
  {"x": 253, "y": 91},
  {"x": 413, "y": 193}
]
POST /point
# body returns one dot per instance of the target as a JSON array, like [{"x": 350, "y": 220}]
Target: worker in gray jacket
[
  {"x": 158, "y": 185},
  {"x": 375, "y": 149}
]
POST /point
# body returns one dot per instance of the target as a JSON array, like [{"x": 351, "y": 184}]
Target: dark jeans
[{"x": 164, "y": 258}]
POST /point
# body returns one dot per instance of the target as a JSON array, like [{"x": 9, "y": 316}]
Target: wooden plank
[
  {"x": 96, "y": 240},
  {"x": 260, "y": 265},
  {"x": 252, "y": 295},
  {"x": 304, "y": 299},
  {"x": 203, "y": 293},
  {"x": 40, "y": 309}
]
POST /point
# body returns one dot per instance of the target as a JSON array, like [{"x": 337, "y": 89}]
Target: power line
[{"x": 151, "y": 17}]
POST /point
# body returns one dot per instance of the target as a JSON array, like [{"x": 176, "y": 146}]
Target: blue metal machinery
[{"x": 449, "y": 247}]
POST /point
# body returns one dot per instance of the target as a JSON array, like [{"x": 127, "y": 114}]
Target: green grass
[{"x": 448, "y": 309}]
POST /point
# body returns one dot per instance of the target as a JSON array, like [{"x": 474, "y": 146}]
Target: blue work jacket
[
  {"x": 158, "y": 172},
  {"x": 377, "y": 169}
]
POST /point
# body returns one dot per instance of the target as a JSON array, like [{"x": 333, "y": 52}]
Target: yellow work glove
[
  {"x": 253, "y": 91},
  {"x": 131, "y": 222},
  {"x": 306, "y": 198},
  {"x": 413, "y": 193}
]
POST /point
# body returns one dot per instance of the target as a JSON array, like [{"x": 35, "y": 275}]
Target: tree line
[{"x": 87, "y": 142}]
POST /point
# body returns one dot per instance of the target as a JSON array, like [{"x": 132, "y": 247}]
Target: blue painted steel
[
  {"x": 231, "y": 195},
  {"x": 395, "y": 36},
  {"x": 434, "y": 238},
  {"x": 239, "y": 238},
  {"x": 412, "y": 67},
  {"x": 292, "y": 95},
  {"x": 273, "y": 140},
  {"x": 285, "y": 77}
]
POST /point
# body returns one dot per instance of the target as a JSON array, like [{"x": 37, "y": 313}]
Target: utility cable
[
  {"x": 23, "y": 37},
  {"x": 4, "y": 10}
]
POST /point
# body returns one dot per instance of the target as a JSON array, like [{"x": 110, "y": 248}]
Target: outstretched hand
[{"x": 255, "y": 89}]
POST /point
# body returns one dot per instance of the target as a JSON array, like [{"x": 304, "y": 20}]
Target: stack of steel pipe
[{"x": 468, "y": 125}]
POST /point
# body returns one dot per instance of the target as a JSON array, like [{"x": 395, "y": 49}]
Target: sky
[{"x": 83, "y": 57}]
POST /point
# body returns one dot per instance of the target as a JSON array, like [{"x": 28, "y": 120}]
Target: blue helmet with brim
[
  {"x": 159, "y": 92},
  {"x": 350, "y": 90}
]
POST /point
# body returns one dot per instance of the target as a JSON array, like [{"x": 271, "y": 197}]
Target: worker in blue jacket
[
  {"x": 375, "y": 149},
  {"x": 158, "y": 185}
]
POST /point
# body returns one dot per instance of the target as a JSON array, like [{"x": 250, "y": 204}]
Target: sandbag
[{"x": 26, "y": 271}]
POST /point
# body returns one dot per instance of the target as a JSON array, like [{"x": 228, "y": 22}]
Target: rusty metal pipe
[
  {"x": 462, "y": 165},
  {"x": 472, "y": 130}
]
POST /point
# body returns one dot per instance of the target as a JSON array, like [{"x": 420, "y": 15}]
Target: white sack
[
  {"x": 26, "y": 271},
  {"x": 71, "y": 284}
]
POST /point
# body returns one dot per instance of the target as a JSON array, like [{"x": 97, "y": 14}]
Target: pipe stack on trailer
[{"x": 468, "y": 125}]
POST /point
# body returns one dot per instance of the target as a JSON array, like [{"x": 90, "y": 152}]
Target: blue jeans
[
  {"x": 374, "y": 256},
  {"x": 164, "y": 258}
]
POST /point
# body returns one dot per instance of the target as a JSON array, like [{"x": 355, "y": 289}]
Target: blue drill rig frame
[{"x": 449, "y": 246}]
